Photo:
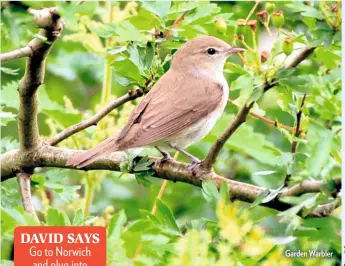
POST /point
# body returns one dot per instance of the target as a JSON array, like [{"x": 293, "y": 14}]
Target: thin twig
[
  {"x": 18, "y": 53},
  {"x": 239, "y": 119},
  {"x": 267, "y": 120},
  {"x": 252, "y": 10},
  {"x": 175, "y": 25},
  {"x": 309, "y": 186},
  {"x": 326, "y": 209},
  {"x": 24, "y": 180},
  {"x": 297, "y": 132},
  {"x": 95, "y": 118}
]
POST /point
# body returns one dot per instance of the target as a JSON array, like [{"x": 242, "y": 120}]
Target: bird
[{"x": 180, "y": 109}]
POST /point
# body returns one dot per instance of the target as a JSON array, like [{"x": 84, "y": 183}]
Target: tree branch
[
  {"x": 36, "y": 50},
  {"x": 48, "y": 156},
  {"x": 131, "y": 95},
  {"x": 45, "y": 19},
  {"x": 34, "y": 77},
  {"x": 242, "y": 114}
]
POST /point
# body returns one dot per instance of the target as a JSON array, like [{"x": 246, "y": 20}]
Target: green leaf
[
  {"x": 126, "y": 68},
  {"x": 141, "y": 178},
  {"x": 210, "y": 191},
  {"x": 6, "y": 117},
  {"x": 143, "y": 164},
  {"x": 320, "y": 152},
  {"x": 325, "y": 228},
  {"x": 116, "y": 226},
  {"x": 8, "y": 143},
  {"x": 160, "y": 8},
  {"x": 308, "y": 203},
  {"x": 78, "y": 218},
  {"x": 305, "y": 10},
  {"x": 259, "y": 199},
  {"x": 108, "y": 30},
  {"x": 9, "y": 71},
  {"x": 117, "y": 49},
  {"x": 56, "y": 218},
  {"x": 12, "y": 217},
  {"x": 127, "y": 32},
  {"x": 166, "y": 216},
  {"x": 9, "y": 95},
  {"x": 244, "y": 83},
  {"x": 327, "y": 57}
]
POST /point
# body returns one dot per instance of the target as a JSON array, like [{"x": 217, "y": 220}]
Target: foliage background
[{"x": 77, "y": 84}]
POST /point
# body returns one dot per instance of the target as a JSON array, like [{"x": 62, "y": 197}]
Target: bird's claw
[
  {"x": 194, "y": 167},
  {"x": 163, "y": 160}
]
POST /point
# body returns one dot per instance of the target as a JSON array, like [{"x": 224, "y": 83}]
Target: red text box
[{"x": 59, "y": 246}]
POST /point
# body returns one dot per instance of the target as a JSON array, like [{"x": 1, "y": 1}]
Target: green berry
[
  {"x": 270, "y": 7},
  {"x": 240, "y": 26},
  {"x": 278, "y": 18},
  {"x": 288, "y": 45},
  {"x": 221, "y": 25}
]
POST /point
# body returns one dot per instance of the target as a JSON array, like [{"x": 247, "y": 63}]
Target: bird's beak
[{"x": 235, "y": 50}]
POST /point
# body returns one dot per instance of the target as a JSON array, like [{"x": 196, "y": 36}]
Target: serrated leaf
[
  {"x": 127, "y": 32},
  {"x": 166, "y": 216},
  {"x": 56, "y": 218},
  {"x": 160, "y": 8},
  {"x": 9, "y": 95}
]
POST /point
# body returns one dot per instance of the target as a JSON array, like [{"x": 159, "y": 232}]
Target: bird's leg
[
  {"x": 166, "y": 157},
  {"x": 195, "y": 165},
  {"x": 190, "y": 156}
]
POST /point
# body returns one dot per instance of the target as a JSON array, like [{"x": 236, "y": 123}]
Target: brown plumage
[{"x": 180, "y": 99}]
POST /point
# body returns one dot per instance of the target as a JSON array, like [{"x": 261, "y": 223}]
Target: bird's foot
[{"x": 166, "y": 157}]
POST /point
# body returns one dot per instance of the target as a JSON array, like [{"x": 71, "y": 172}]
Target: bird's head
[{"x": 206, "y": 53}]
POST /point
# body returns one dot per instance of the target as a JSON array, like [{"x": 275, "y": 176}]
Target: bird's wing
[{"x": 173, "y": 104}]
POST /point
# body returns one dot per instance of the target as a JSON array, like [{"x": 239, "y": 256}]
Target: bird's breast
[{"x": 203, "y": 126}]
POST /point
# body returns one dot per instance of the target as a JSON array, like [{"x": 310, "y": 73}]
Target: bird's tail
[{"x": 83, "y": 159}]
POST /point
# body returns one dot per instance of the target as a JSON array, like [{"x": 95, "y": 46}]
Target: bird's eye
[{"x": 211, "y": 51}]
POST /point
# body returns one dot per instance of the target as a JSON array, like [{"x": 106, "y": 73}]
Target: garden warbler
[{"x": 180, "y": 109}]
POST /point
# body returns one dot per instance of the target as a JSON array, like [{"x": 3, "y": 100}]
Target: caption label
[{"x": 59, "y": 246}]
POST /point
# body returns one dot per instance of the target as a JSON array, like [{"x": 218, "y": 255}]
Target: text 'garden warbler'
[{"x": 180, "y": 109}]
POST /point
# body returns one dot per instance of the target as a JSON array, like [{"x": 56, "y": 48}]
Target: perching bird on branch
[{"x": 180, "y": 109}]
